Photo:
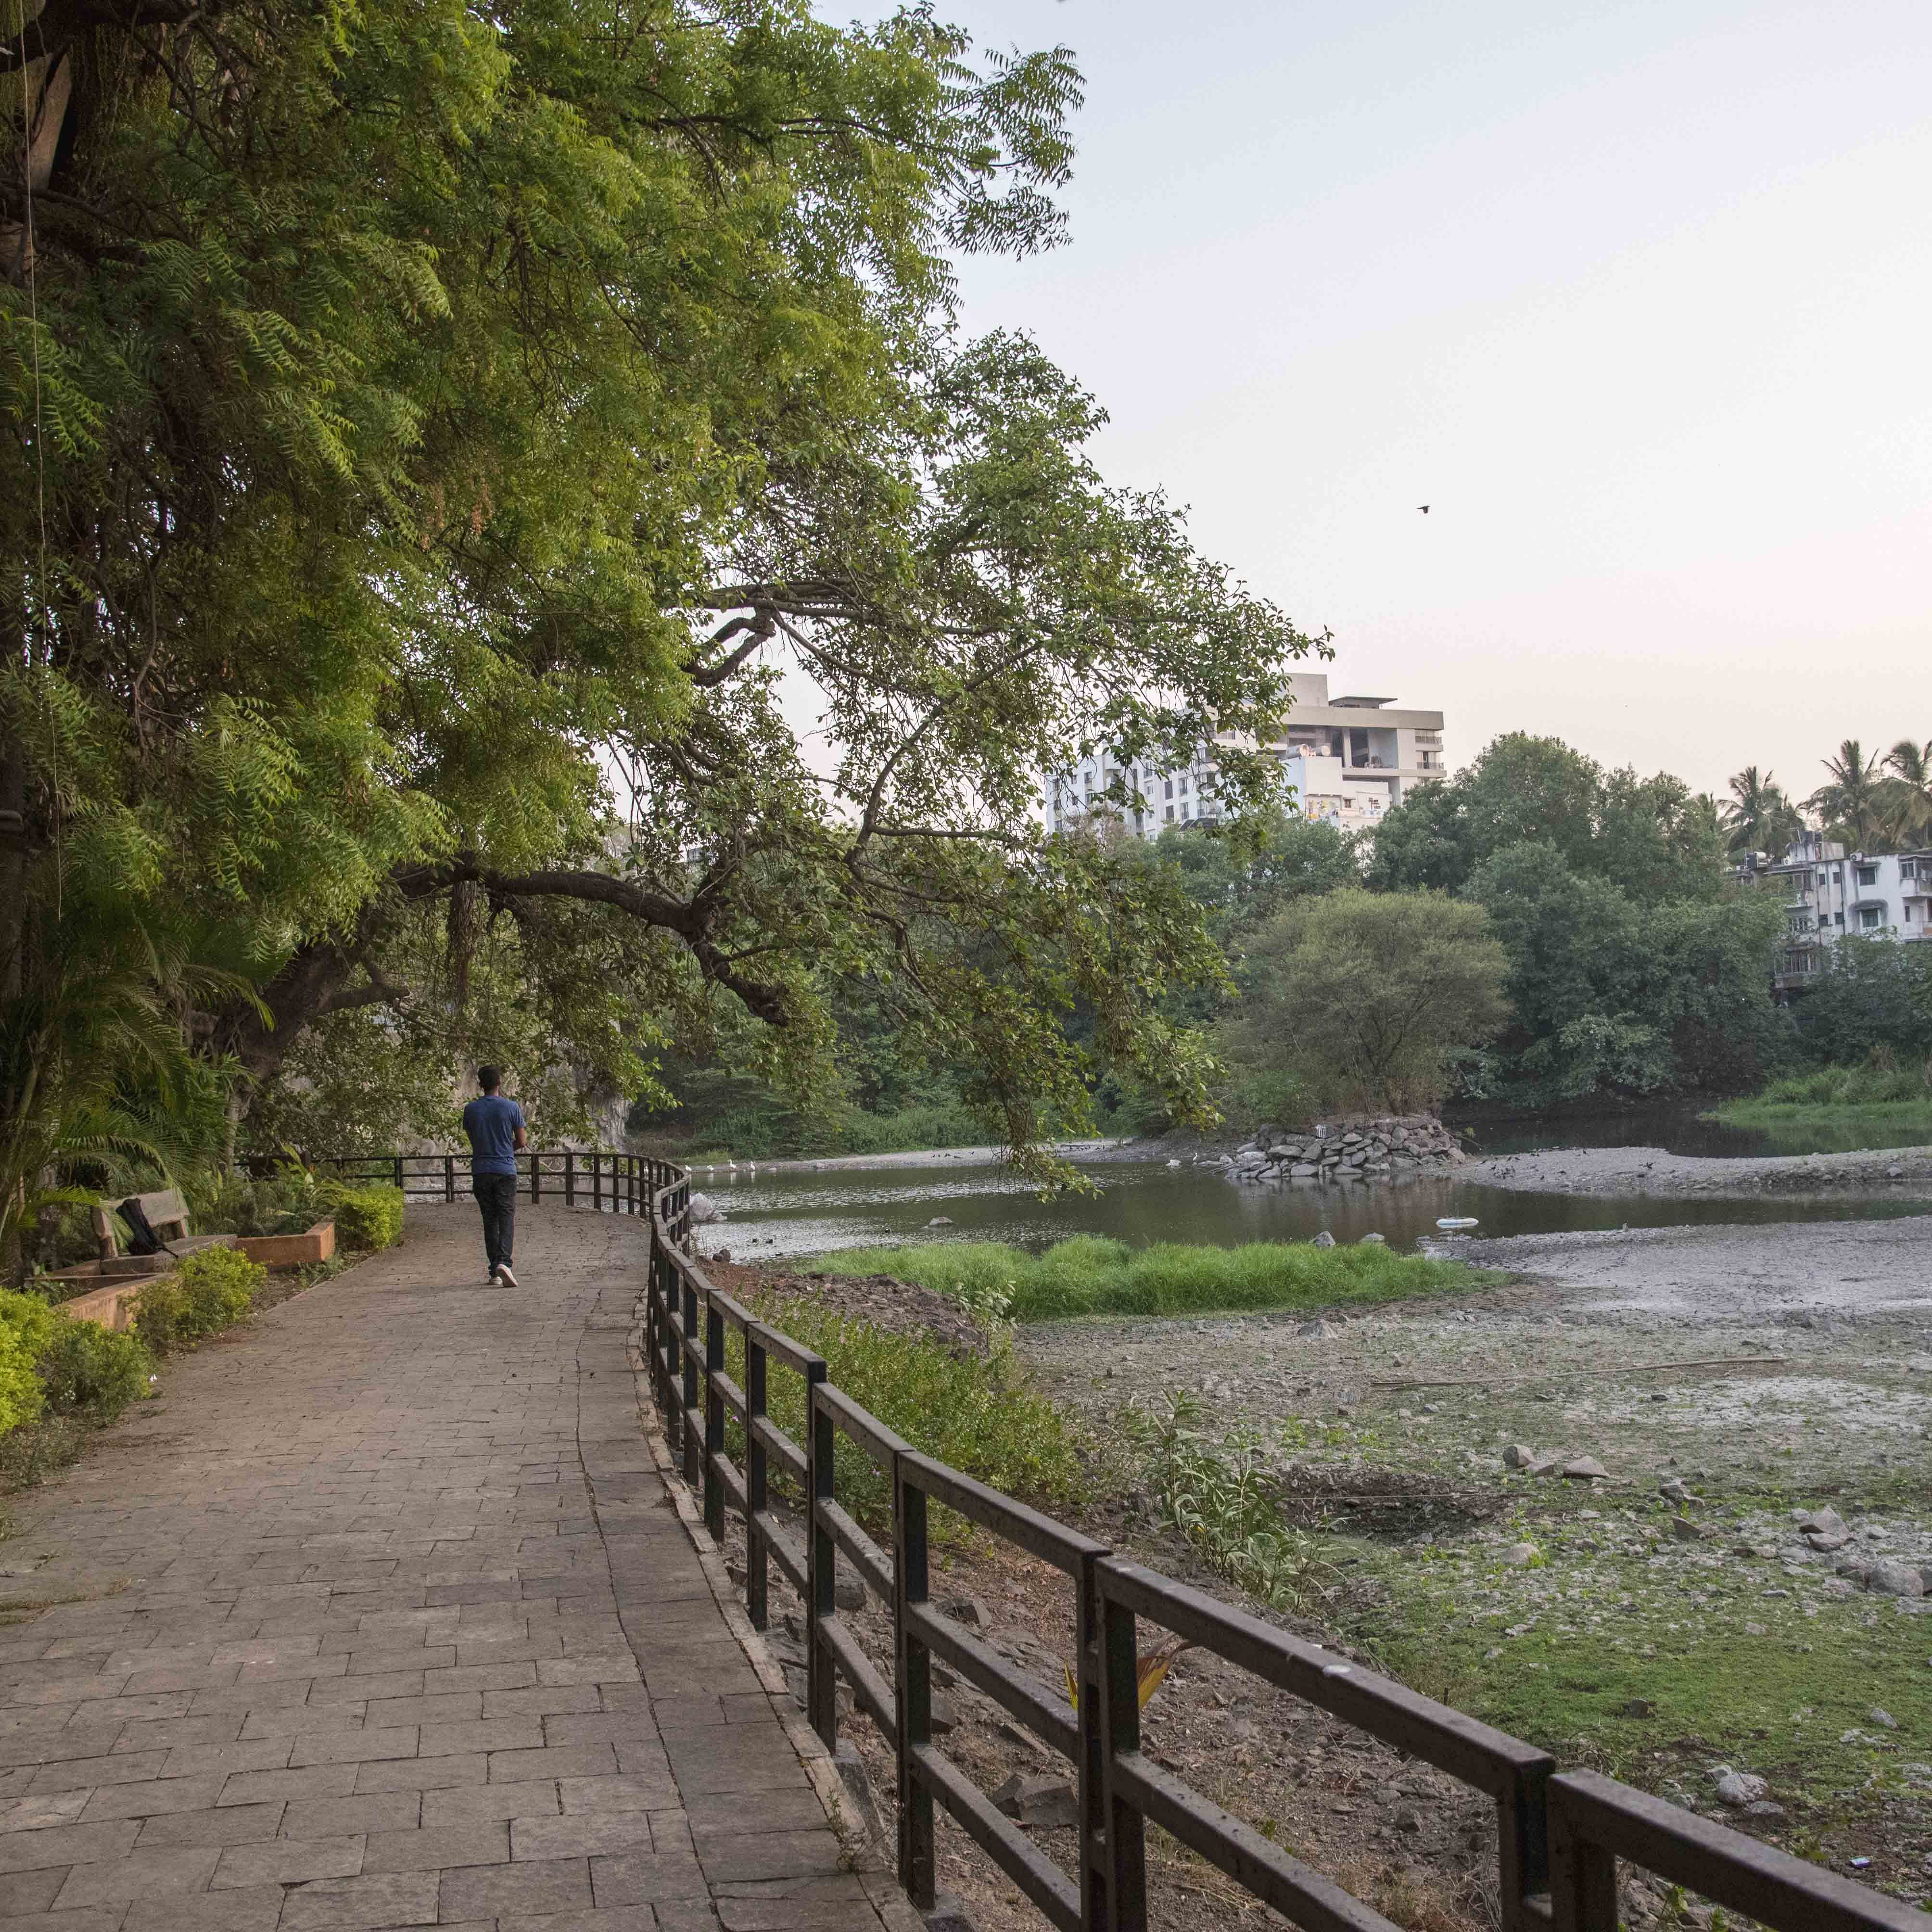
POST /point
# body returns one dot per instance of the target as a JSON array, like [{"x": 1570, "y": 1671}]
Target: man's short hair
[{"x": 489, "y": 1078}]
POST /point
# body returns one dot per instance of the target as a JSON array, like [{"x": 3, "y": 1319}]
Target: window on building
[
  {"x": 1170, "y": 810},
  {"x": 1867, "y": 875},
  {"x": 1170, "y": 793},
  {"x": 1869, "y": 916},
  {"x": 1184, "y": 785}
]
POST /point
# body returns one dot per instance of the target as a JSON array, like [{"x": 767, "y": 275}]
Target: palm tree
[
  {"x": 1853, "y": 804},
  {"x": 1911, "y": 792},
  {"x": 1760, "y": 818}
]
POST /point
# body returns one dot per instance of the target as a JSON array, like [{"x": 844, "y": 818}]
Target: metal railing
[
  {"x": 596, "y": 1178},
  {"x": 1559, "y": 1836}
]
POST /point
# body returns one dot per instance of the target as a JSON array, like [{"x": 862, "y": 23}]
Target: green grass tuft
[
  {"x": 979, "y": 1414},
  {"x": 1089, "y": 1275}
]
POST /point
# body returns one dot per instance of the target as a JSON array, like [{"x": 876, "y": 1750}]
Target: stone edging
[{"x": 894, "y": 1909}]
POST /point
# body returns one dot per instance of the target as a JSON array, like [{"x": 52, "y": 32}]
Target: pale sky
[{"x": 1637, "y": 297}]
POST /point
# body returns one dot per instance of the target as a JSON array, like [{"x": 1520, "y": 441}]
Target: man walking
[{"x": 495, "y": 1126}]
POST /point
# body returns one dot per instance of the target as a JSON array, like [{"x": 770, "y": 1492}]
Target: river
[{"x": 796, "y": 1210}]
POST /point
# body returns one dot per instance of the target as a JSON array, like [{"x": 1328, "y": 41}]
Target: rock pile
[{"x": 1393, "y": 1147}]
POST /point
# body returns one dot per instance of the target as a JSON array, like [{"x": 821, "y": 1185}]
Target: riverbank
[
  {"x": 1662, "y": 1619},
  {"x": 917, "y": 1157},
  {"x": 1599, "y": 1172}
]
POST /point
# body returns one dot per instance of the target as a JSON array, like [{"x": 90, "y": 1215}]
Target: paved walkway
[{"x": 383, "y": 1618}]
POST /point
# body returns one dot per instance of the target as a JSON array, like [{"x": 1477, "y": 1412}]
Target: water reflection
[{"x": 780, "y": 1213}]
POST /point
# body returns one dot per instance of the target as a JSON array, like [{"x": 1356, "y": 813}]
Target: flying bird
[{"x": 1423, "y": 507}]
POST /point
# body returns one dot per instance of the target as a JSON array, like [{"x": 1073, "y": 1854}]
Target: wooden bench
[{"x": 167, "y": 1215}]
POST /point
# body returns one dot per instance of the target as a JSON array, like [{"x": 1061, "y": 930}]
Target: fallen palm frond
[{"x": 1151, "y": 1670}]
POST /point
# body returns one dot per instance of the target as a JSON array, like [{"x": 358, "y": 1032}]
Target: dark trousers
[{"x": 497, "y": 1195}]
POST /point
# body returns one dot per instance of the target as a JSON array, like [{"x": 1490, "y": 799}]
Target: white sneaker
[
  {"x": 491, "y": 1280},
  {"x": 504, "y": 1275}
]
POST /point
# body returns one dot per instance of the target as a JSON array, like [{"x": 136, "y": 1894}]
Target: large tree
[
  {"x": 1367, "y": 999},
  {"x": 1760, "y": 818},
  {"x": 1853, "y": 801},
  {"x": 1650, "y": 837},
  {"x": 457, "y": 455}
]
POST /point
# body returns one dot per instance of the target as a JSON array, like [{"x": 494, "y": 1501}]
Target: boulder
[
  {"x": 704, "y": 1211},
  {"x": 1038, "y": 1801},
  {"x": 1519, "y": 1456},
  {"x": 1891, "y": 1578},
  {"x": 1323, "y": 1240},
  {"x": 1585, "y": 1469},
  {"x": 1738, "y": 1789}
]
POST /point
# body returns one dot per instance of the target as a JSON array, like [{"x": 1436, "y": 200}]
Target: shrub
[
  {"x": 287, "y": 1201},
  {"x": 86, "y": 1366},
  {"x": 365, "y": 1217},
  {"x": 1088, "y": 1274},
  {"x": 26, "y": 1326},
  {"x": 977, "y": 1415},
  {"x": 211, "y": 1290}
]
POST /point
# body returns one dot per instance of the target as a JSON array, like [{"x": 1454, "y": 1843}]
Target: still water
[{"x": 778, "y": 1211}]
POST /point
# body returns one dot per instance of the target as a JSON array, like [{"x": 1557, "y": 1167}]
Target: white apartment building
[
  {"x": 1831, "y": 892},
  {"x": 1348, "y": 759}
]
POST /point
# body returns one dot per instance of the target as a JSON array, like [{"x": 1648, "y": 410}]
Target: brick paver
[{"x": 382, "y": 1617}]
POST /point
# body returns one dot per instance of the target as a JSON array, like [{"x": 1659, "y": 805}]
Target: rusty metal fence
[{"x": 1560, "y": 1834}]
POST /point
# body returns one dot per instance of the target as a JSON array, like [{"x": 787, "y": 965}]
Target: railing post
[
  {"x": 399, "y": 1172},
  {"x": 1522, "y": 1852},
  {"x": 694, "y": 1443},
  {"x": 755, "y": 1497},
  {"x": 536, "y": 1176},
  {"x": 913, "y": 1686},
  {"x": 670, "y": 1374},
  {"x": 449, "y": 1177},
  {"x": 570, "y": 1176},
  {"x": 596, "y": 1182},
  {"x": 821, "y": 1557},
  {"x": 1119, "y": 1714},
  {"x": 1582, "y": 1880},
  {"x": 714, "y": 1421},
  {"x": 1089, "y": 1670}
]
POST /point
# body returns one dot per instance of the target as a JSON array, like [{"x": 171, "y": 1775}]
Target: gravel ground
[
  {"x": 1668, "y": 1635},
  {"x": 1777, "y": 1272},
  {"x": 1651, "y": 1171},
  {"x": 1665, "y": 1620}
]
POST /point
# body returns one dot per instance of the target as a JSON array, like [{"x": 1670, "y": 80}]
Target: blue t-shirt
[{"x": 491, "y": 1123}]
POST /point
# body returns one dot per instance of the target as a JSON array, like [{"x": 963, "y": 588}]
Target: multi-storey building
[
  {"x": 1347, "y": 759},
  {"x": 1830, "y": 891}
]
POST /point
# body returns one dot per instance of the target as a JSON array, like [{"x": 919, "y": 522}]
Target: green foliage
[
  {"x": 1866, "y": 1086},
  {"x": 365, "y": 1217},
  {"x": 1612, "y": 993},
  {"x": 441, "y": 432},
  {"x": 204, "y": 1293},
  {"x": 1877, "y": 1104},
  {"x": 976, "y": 1413},
  {"x": 84, "y": 1367},
  {"x": 1856, "y": 803},
  {"x": 1365, "y": 1001},
  {"x": 1872, "y": 995},
  {"x": 1760, "y": 818},
  {"x": 1243, "y": 878},
  {"x": 1089, "y": 1275},
  {"x": 1225, "y": 1499},
  {"x": 27, "y": 1327},
  {"x": 288, "y": 1202},
  {"x": 1650, "y": 838}
]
